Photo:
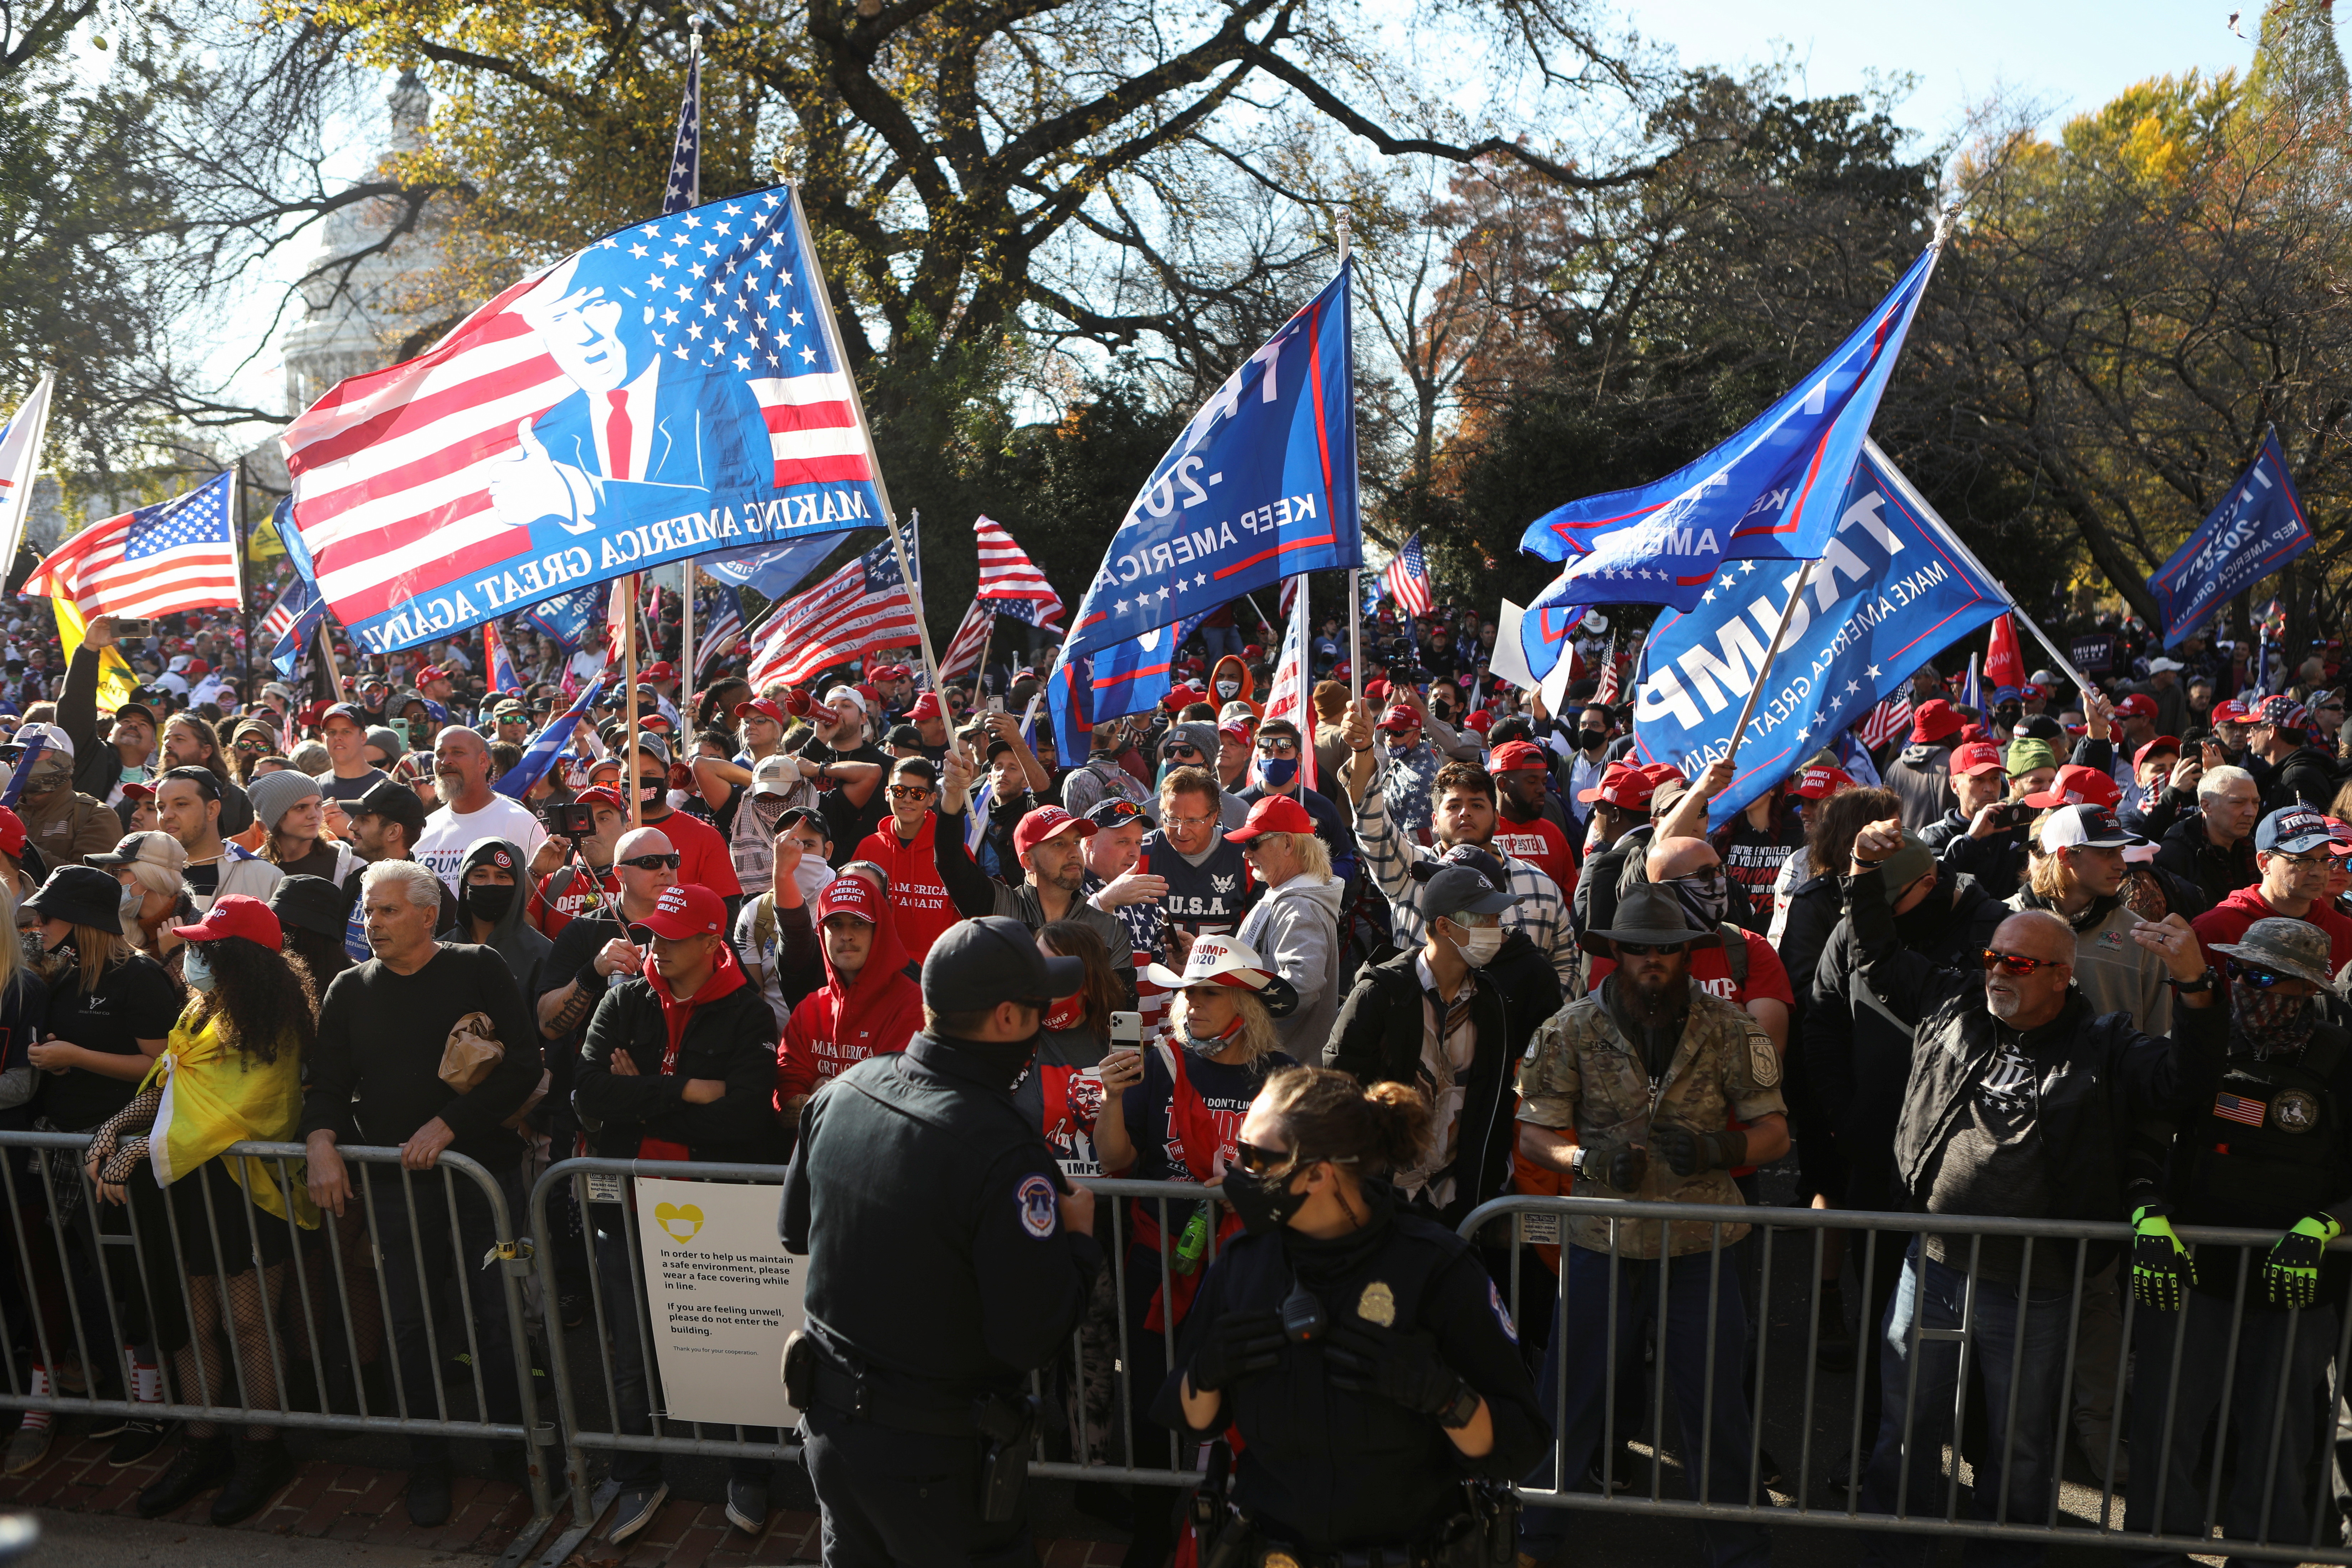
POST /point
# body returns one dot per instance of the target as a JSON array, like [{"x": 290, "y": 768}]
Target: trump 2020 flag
[
  {"x": 539, "y": 755},
  {"x": 2258, "y": 528},
  {"x": 1261, "y": 486},
  {"x": 1773, "y": 491},
  {"x": 674, "y": 390},
  {"x": 1126, "y": 678},
  {"x": 1891, "y": 589}
]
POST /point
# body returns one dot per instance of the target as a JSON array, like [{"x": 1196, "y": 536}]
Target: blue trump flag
[
  {"x": 567, "y": 617},
  {"x": 1773, "y": 491},
  {"x": 1892, "y": 588},
  {"x": 539, "y": 755},
  {"x": 1261, "y": 486},
  {"x": 2258, "y": 528},
  {"x": 1126, "y": 678},
  {"x": 775, "y": 570}
]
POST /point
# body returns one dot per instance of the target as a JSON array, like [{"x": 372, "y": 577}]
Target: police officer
[
  {"x": 947, "y": 1260},
  {"x": 2272, "y": 1150},
  {"x": 1361, "y": 1352}
]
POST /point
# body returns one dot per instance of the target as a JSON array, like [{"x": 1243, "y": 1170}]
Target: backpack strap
[{"x": 1734, "y": 952}]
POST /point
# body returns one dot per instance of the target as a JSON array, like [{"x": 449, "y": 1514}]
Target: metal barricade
[
  {"x": 1992, "y": 1313},
  {"x": 94, "y": 1278}
]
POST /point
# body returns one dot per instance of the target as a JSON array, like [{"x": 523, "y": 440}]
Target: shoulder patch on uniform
[
  {"x": 1502, "y": 1313},
  {"x": 1763, "y": 1061},
  {"x": 1038, "y": 1210}
]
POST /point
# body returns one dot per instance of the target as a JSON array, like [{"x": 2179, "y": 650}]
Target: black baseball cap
[
  {"x": 393, "y": 800},
  {"x": 976, "y": 964},
  {"x": 312, "y": 904}
]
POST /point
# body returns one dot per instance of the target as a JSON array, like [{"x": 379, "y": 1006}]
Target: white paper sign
[
  {"x": 721, "y": 1294},
  {"x": 1509, "y": 661}
]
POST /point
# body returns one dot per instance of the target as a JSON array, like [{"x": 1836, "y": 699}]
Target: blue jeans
[
  {"x": 2306, "y": 1341},
  {"x": 1703, "y": 1376},
  {"x": 2008, "y": 1353}
]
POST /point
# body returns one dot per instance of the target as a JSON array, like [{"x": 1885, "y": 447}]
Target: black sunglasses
[
  {"x": 1632, "y": 949},
  {"x": 654, "y": 862},
  {"x": 2262, "y": 979}
]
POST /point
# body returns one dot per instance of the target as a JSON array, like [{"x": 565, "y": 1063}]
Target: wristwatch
[
  {"x": 2205, "y": 982},
  {"x": 1463, "y": 1408}
]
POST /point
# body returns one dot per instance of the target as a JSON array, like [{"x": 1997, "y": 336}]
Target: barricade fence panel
[{"x": 403, "y": 1315}]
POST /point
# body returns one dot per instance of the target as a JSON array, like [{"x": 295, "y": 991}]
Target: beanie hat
[{"x": 275, "y": 794}]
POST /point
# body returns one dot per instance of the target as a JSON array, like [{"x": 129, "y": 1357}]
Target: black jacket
[
  {"x": 1815, "y": 910},
  {"x": 1857, "y": 1059},
  {"x": 731, "y": 1037},
  {"x": 2101, "y": 1078},
  {"x": 1996, "y": 864},
  {"x": 2189, "y": 854},
  {"x": 2307, "y": 774},
  {"x": 1378, "y": 1039}
]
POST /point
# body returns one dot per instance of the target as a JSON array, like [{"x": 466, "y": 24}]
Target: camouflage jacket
[{"x": 1582, "y": 1074}]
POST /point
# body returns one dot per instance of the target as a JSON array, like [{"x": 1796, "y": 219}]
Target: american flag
[
  {"x": 1606, "y": 695},
  {"x": 864, "y": 605},
  {"x": 179, "y": 554},
  {"x": 288, "y": 626},
  {"x": 2238, "y": 1109},
  {"x": 1011, "y": 581},
  {"x": 685, "y": 187},
  {"x": 1407, "y": 579},
  {"x": 20, "y": 459},
  {"x": 963, "y": 655},
  {"x": 393, "y": 469},
  {"x": 722, "y": 622},
  {"x": 498, "y": 665},
  {"x": 1888, "y": 720},
  {"x": 1287, "y": 694}
]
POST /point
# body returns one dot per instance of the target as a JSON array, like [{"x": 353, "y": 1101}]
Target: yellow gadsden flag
[
  {"x": 213, "y": 1097},
  {"x": 114, "y": 678}
]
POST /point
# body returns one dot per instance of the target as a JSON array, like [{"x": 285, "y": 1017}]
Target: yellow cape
[{"x": 213, "y": 1097}]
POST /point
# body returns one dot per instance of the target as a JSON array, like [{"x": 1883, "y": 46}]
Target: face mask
[
  {"x": 652, "y": 792},
  {"x": 489, "y": 902},
  {"x": 1278, "y": 772},
  {"x": 1067, "y": 1012},
  {"x": 1205, "y": 1045},
  {"x": 134, "y": 898},
  {"x": 1479, "y": 944},
  {"x": 1008, "y": 1059},
  {"x": 2271, "y": 1021},
  {"x": 1264, "y": 1203},
  {"x": 765, "y": 810},
  {"x": 1703, "y": 895},
  {"x": 1593, "y": 740},
  {"x": 1228, "y": 690},
  {"x": 810, "y": 877},
  {"x": 195, "y": 970}
]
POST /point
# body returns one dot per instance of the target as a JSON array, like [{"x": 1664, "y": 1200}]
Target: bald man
[
  {"x": 2020, "y": 1101},
  {"x": 470, "y": 809}
]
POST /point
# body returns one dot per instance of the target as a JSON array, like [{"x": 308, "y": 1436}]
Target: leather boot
[
  {"x": 201, "y": 1464},
  {"x": 259, "y": 1466}
]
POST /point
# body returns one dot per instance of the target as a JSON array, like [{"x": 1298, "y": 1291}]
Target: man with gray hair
[
  {"x": 2021, "y": 1102},
  {"x": 470, "y": 809},
  {"x": 376, "y": 1077},
  {"x": 2213, "y": 848}
]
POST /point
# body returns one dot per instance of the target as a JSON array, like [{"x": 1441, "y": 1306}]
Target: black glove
[
  {"x": 1403, "y": 1369},
  {"x": 1619, "y": 1165},
  {"x": 1686, "y": 1153},
  {"x": 1240, "y": 1345}
]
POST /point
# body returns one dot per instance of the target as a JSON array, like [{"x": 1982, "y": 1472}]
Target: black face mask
[
  {"x": 1593, "y": 740},
  {"x": 1264, "y": 1203},
  {"x": 489, "y": 901},
  {"x": 1007, "y": 1059}
]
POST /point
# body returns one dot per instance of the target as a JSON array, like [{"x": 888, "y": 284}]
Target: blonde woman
[
  {"x": 1297, "y": 924},
  {"x": 150, "y": 866}
]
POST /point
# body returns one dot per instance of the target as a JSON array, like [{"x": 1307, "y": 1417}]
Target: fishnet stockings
[{"x": 219, "y": 1383}]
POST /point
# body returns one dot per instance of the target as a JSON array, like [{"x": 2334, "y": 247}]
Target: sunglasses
[
  {"x": 2018, "y": 963},
  {"x": 1278, "y": 748},
  {"x": 1191, "y": 753},
  {"x": 2261, "y": 979},
  {"x": 1104, "y": 813},
  {"x": 911, "y": 792},
  {"x": 654, "y": 862},
  {"x": 1636, "y": 949}
]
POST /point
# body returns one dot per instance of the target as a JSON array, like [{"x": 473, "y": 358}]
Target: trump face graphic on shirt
[{"x": 648, "y": 428}]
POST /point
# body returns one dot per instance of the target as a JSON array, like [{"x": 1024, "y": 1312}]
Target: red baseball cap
[
  {"x": 2138, "y": 702},
  {"x": 664, "y": 671},
  {"x": 2339, "y": 837},
  {"x": 891, "y": 672},
  {"x": 1376, "y": 692},
  {"x": 2078, "y": 785},
  {"x": 1623, "y": 785},
  {"x": 1234, "y": 729},
  {"x": 2161, "y": 743},
  {"x": 1181, "y": 697},
  {"x": 1400, "y": 719},
  {"x": 1480, "y": 720},
  {"x": 849, "y": 896},
  {"x": 236, "y": 915},
  {"x": 926, "y": 706},
  {"x": 1976, "y": 757},
  {"x": 601, "y": 794},
  {"x": 2229, "y": 710},
  {"x": 1516, "y": 757},
  {"x": 1819, "y": 783},
  {"x": 11, "y": 829},
  {"x": 1274, "y": 813},
  {"x": 761, "y": 706},
  {"x": 431, "y": 672},
  {"x": 1044, "y": 823},
  {"x": 1933, "y": 719},
  {"x": 872, "y": 694},
  {"x": 687, "y": 909}
]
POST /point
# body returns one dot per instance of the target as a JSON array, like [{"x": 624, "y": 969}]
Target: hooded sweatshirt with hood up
[
  {"x": 1922, "y": 776},
  {"x": 511, "y": 936},
  {"x": 1230, "y": 671},
  {"x": 723, "y": 1031},
  {"x": 1295, "y": 929},
  {"x": 843, "y": 1023}
]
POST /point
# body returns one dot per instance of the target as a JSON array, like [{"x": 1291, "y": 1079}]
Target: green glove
[
  {"x": 2292, "y": 1275},
  {"x": 2162, "y": 1268}
]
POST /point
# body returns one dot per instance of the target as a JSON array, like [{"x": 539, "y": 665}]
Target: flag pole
[
  {"x": 1355, "y": 574},
  {"x": 327, "y": 652},
  {"x": 1780, "y": 634},
  {"x": 629, "y": 678},
  {"x": 243, "y": 598},
  {"x": 980, "y": 671}
]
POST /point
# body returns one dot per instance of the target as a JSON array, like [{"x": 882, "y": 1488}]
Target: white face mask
[
  {"x": 1479, "y": 944},
  {"x": 812, "y": 875}
]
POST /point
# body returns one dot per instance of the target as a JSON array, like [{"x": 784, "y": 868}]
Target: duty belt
[{"x": 858, "y": 1397}]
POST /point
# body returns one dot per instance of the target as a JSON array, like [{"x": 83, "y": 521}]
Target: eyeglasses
[
  {"x": 2018, "y": 963},
  {"x": 1187, "y": 821},
  {"x": 1257, "y": 1162},
  {"x": 252, "y": 745},
  {"x": 1639, "y": 948},
  {"x": 654, "y": 862},
  {"x": 2303, "y": 862},
  {"x": 911, "y": 792}
]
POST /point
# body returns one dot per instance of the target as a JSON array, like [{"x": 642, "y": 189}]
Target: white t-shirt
[{"x": 442, "y": 847}]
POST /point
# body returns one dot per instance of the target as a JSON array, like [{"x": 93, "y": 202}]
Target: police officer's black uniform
[
  {"x": 1328, "y": 1472},
  {"x": 2274, "y": 1146},
  {"x": 939, "y": 1274}
]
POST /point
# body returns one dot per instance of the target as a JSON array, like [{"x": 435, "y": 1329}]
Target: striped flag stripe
[{"x": 962, "y": 656}]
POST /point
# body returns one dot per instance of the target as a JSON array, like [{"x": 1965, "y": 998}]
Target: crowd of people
[{"x": 2077, "y": 956}]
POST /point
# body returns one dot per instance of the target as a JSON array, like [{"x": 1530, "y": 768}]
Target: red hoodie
[
  {"x": 2227, "y": 921},
  {"x": 918, "y": 896},
  {"x": 725, "y": 975},
  {"x": 838, "y": 1026}
]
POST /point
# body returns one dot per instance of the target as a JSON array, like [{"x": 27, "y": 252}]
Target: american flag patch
[{"x": 2238, "y": 1109}]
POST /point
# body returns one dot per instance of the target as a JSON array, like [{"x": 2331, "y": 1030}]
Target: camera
[{"x": 568, "y": 819}]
